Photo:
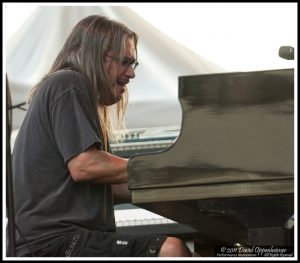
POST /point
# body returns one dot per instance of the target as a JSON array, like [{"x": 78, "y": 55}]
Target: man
[{"x": 66, "y": 181}]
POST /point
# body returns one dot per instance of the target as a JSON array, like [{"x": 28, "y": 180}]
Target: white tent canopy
[{"x": 153, "y": 100}]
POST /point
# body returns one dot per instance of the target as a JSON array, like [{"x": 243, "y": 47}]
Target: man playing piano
[{"x": 66, "y": 181}]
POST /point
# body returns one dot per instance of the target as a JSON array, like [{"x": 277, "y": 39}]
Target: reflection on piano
[
  {"x": 230, "y": 173},
  {"x": 144, "y": 140}
]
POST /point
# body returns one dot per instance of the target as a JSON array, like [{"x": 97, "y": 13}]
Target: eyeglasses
[{"x": 126, "y": 62}]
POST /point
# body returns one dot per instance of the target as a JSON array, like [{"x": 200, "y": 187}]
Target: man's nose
[{"x": 130, "y": 72}]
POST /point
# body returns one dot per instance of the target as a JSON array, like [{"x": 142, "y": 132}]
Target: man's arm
[{"x": 98, "y": 167}]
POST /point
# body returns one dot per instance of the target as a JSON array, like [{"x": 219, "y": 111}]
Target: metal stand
[{"x": 9, "y": 184}]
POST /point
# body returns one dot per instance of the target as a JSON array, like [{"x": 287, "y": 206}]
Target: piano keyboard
[
  {"x": 139, "y": 217},
  {"x": 131, "y": 219}
]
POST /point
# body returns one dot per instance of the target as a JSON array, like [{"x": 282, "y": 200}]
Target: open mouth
[{"x": 122, "y": 82}]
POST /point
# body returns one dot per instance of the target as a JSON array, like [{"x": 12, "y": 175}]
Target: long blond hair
[{"x": 84, "y": 51}]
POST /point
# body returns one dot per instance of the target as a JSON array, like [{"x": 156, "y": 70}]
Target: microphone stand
[{"x": 9, "y": 183}]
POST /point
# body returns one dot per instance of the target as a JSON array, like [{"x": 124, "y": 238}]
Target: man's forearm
[{"x": 98, "y": 167}]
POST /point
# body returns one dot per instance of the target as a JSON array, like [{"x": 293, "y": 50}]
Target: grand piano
[{"x": 229, "y": 174}]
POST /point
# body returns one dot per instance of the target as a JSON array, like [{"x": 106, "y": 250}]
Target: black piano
[{"x": 229, "y": 175}]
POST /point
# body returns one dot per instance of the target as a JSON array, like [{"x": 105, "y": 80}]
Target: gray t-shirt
[{"x": 61, "y": 123}]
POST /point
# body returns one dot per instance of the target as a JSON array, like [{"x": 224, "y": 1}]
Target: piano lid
[{"x": 236, "y": 139}]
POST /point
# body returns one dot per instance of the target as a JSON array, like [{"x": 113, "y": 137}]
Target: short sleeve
[{"x": 74, "y": 124}]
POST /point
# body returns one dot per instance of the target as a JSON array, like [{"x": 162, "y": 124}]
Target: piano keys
[
  {"x": 230, "y": 172},
  {"x": 131, "y": 219}
]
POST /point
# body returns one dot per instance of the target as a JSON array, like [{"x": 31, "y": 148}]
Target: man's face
[{"x": 121, "y": 71}]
